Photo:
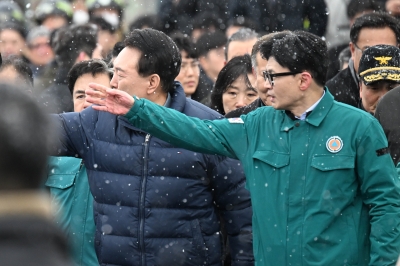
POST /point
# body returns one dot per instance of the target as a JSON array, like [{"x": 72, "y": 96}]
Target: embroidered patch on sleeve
[
  {"x": 382, "y": 151},
  {"x": 236, "y": 120}
]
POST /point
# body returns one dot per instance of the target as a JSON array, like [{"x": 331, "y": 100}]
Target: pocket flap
[
  {"x": 332, "y": 162},
  {"x": 275, "y": 159},
  {"x": 60, "y": 181}
]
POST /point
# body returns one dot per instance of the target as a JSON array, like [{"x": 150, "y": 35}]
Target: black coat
[
  {"x": 388, "y": 114},
  {"x": 344, "y": 86}
]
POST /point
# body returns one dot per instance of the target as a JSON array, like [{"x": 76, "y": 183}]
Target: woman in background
[{"x": 234, "y": 87}]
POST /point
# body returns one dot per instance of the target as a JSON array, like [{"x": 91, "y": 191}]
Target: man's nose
[
  {"x": 86, "y": 104},
  {"x": 114, "y": 82}
]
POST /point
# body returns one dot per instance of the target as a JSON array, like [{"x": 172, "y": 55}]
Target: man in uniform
[
  {"x": 322, "y": 194},
  {"x": 379, "y": 73}
]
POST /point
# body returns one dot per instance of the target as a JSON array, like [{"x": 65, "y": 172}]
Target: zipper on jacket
[{"x": 142, "y": 213}]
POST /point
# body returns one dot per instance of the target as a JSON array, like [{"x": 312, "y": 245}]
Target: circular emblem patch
[{"x": 334, "y": 144}]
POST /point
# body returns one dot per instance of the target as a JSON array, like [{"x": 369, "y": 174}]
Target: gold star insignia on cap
[{"x": 383, "y": 60}]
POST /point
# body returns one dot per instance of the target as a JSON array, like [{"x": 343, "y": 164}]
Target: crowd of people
[{"x": 216, "y": 132}]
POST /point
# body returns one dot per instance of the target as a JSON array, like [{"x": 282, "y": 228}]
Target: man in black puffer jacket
[{"x": 156, "y": 204}]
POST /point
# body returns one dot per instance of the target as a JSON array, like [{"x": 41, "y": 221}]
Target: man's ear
[
  {"x": 202, "y": 60},
  {"x": 360, "y": 85},
  {"x": 352, "y": 50},
  {"x": 154, "y": 83},
  {"x": 305, "y": 80}
]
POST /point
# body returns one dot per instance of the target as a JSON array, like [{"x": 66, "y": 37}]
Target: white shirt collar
[{"x": 312, "y": 107}]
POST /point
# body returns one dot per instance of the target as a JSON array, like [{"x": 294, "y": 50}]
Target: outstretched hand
[{"x": 109, "y": 100}]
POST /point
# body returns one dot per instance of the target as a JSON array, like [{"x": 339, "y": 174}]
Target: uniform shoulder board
[{"x": 236, "y": 120}]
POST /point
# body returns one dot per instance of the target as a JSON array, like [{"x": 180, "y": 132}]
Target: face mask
[
  {"x": 80, "y": 17},
  {"x": 111, "y": 18}
]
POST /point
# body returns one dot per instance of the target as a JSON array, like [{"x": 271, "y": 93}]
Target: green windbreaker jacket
[
  {"x": 69, "y": 187},
  {"x": 324, "y": 190}
]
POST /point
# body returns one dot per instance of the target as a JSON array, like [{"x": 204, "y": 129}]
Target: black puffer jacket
[{"x": 156, "y": 204}]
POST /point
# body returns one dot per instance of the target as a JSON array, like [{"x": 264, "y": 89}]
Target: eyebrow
[
  {"x": 119, "y": 69},
  {"x": 232, "y": 87},
  {"x": 80, "y": 92},
  {"x": 251, "y": 89}
]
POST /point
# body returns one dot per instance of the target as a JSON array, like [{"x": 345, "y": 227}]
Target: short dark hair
[
  {"x": 20, "y": 29},
  {"x": 242, "y": 35},
  {"x": 374, "y": 20},
  {"x": 264, "y": 45},
  {"x": 118, "y": 47},
  {"x": 25, "y": 135},
  {"x": 184, "y": 43},
  {"x": 92, "y": 66},
  {"x": 237, "y": 66},
  {"x": 159, "y": 55},
  {"x": 22, "y": 68},
  {"x": 302, "y": 51},
  {"x": 358, "y": 6},
  {"x": 146, "y": 21},
  {"x": 69, "y": 41},
  {"x": 209, "y": 41}
]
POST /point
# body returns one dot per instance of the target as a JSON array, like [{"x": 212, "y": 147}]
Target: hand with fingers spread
[{"x": 109, "y": 100}]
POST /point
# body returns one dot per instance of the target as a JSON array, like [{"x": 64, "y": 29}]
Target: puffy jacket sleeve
[
  {"x": 72, "y": 140},
  {"x": 380, "y": 187},
  {"x": 233, "y": 201}
]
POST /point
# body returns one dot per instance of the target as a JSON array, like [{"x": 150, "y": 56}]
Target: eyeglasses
[
  {"x": 194, "y": 65},
  {"x": 270, "y": 77}
]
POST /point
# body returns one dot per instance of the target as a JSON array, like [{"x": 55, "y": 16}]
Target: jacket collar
[
  {"x": 316, "y": 116},
  {"x": 178, "y": 98}
]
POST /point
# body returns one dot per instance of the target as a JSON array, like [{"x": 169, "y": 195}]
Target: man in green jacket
[{"x": 324, "y": 189}]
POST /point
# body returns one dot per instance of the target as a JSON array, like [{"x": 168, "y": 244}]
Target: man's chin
[
  {"x": 266, "y": 100},
  {"x": 276, "y": 106}
]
